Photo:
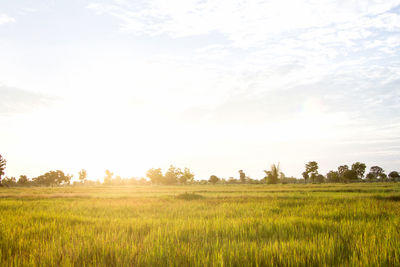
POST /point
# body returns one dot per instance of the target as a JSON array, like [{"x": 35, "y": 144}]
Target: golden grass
[{"x": 235, "y": 225}]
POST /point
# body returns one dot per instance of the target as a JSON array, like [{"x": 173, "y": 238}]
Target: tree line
[
  {"x": 174, "y": 176},
  {"x": 346, "y": 174}
]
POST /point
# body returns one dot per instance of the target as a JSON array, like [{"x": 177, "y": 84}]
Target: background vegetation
[{"x": 174, "y": 176}]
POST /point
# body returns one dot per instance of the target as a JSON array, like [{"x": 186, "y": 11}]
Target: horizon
[{"x": 215, "y": 87}]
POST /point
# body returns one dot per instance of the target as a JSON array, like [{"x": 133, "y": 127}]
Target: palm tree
[{"x": 272, "y": 176}]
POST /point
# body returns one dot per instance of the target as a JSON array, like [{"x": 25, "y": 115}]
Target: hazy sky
[{"x": 215, "y": 86}]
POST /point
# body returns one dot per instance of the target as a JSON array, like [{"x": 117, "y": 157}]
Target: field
[{"x": 237, "y": 225}]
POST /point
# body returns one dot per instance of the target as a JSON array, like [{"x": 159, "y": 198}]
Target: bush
[{"x": 189, "y": 196}]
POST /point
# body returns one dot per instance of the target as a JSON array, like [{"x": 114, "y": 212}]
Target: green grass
[{"x": 236, "y": 225}]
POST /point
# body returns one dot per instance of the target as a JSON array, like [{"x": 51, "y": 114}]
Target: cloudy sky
[{"x": 215, "y": 86}]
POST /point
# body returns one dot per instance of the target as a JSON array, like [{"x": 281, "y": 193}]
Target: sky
[{"x": 215, "y": 86}]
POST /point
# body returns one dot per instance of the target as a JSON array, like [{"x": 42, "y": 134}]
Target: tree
[
  {"x": 350, "y": 176},
  {"x": 394, "y": 176},
  {"x": 341, "y": 170},
  {"x": 305, "y": 176},
  {"x": 186, "y": 177},
  {"x": 272, "y": 176},
  {"x": 155, "y": 176},
  {"x": 332, "y": 177},
  {"x": 23, "y": 180},
  {"x": 312, "y": 170},
  {"x": 242, "y": 176},
  {"x": 172, "y": 175},
  {"x": 52, "y": 178},
  {"x": 9, "y": 181},
  {"x": 108, "y": 177},
  {"x": 312, "y": 167},
  {"x": 359, "y": 168},
  {"x": 383, "y": 177},
  {"x": 3, "y": 163},
  {"x": 320, "y": 178},
  {"x": 370, "y": 176},
  {"x": 375, "y": 173},
  {"x": 82, "y": 175},
  {"x": 213, "y": 179}
]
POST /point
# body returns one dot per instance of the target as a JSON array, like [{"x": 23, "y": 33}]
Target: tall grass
[{"x": 287, "y": 225}]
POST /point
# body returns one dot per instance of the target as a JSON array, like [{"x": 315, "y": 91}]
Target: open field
[{"x": 237, "y": 225}]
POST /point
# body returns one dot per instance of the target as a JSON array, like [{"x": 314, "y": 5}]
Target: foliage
[
  {"x": 350, "y": 176},
  {"x": 186, "y": 177},
  {"x": 272, "y": 176},
  {"x": 342, "y": 170},
  {"x": 189, "y": 196},
  {"x": 332, "y": 177},
  {"x": 242, "y": 176},
  {"x": 54, "y": 178},
  {"x": 305, "y": 176},
  {"x": 23, "y": 180},
  {"x": 312, "y": 171},
  {"x": 213, "y": 179},
  {"x": 108, "y": 177},
  {"x": 359, "y": 168},
  {"x": 82, "y": 175},
  {"x": 3, "y": 163},
  {"x": 376, "y": 173},
  {"x": 9, "y": 181},
  {"x": 155, "y": 176},
  {"x": 394, "y": 176},
  {"x": 173, "y": 175},
  {"x": 320, "y": 178}
]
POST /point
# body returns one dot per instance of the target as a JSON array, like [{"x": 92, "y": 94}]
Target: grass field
[{"x": 237, "y": 225}]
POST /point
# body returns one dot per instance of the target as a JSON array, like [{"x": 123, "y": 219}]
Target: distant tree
[
  {"x": 312, "y": 170},
  {"x": 186, "y": 176},
  {"x": 332, "y": 177},
  {"x": 341, "y": 170},
  {"x": 350, "y": 176},
  {"x": 82, "y": 175},
  {"x": 3, "y": 163},
  {"x": 117, "y": 180},
  {"x": 394, "y": 176},
  {"x": 289, "y": 180},
  {"x": 312, "y": 167},
  {"x": 305, "y": 176},
  {"x": 370, "y": 176},
  {"x": 242, "y": 176},
  {"x": 272, "y": 176},
  {"x": 213, "y": 179},
  {"x": 9, "y": 181},
  {"x": 172, "y": 175},
  {"x": 375, "y": 173},
  {"x": 232, "y": 180},
  {"x": 281, "y": 176},
  {"x": 155, "y": 176},
  {"x": 52, "y": 178},
  {"x": 320, "y": 178},
  {"x": 249, "y": 180},
  {"x": 23, "y": 180},
  {"x": 108, "y": 177},
  {"x": 359, "y": 168}
]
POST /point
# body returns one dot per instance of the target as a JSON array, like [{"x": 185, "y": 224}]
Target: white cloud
[
  {"x": 246, "y": 23},
  {"x": 4, "y": 19},
  {"x": 14, "y": 100}
]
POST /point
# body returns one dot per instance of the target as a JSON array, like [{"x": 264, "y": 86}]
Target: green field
[{"x": 237, "y": 225}]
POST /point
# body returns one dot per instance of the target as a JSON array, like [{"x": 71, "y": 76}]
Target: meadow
[{"x": 201, "y": 225}]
